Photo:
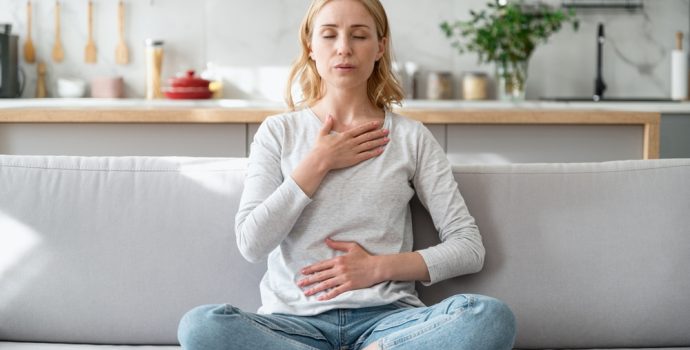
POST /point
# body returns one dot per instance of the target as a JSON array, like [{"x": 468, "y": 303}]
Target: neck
[{"x": 347, "y": 107}]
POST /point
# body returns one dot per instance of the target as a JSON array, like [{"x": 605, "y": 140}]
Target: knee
[
  {"x": 498, "y": 320},
  {"x": 499, "y": 312},
  {"x": 196, "y": 326},
  {"x": 489, "y": 311}
]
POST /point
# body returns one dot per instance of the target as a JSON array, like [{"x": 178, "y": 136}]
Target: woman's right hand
[
  {"x": 351, "y": 147},
  {"x": 337, "y": 151}
]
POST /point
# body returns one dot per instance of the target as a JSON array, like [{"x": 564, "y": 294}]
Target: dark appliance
[{"x": 9, "y": 64}]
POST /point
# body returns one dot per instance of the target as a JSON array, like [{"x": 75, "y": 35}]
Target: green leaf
[{"x": 507, "y": 33}]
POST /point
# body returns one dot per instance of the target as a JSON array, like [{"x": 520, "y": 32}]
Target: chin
[{"x": 347, "y": 83}]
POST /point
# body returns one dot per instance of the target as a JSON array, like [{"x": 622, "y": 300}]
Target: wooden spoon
[
  {"x": 121, "y": 52},
  {"x": 90, "y": 51},
  {"x": 29, "y": 51},
  {"x": 58, "y": 53}
]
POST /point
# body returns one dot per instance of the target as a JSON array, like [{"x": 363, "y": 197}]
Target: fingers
[
  {"x": 362, "y": 156},
  {"x": 334, "y": 292},
  {"x": 372, "y": 145},
  {"x": 332, "y": 287},
  {"x": 330, "y": 283},
  {"x": 316, "y": 278},
  {"x": 320, "y": 266},
  {"x": 371, "y": 135},
  {"x": 327, "y": 126},
  {"x": 361, "y": 129}
]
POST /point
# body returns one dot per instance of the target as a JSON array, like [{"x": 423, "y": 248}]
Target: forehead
[{"x": 343, "y": 13}]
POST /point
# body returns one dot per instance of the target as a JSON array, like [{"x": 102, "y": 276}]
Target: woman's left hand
[{"x": 355, "y": 269}]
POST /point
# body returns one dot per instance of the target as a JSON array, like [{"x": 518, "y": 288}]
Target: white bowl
[{"x": 71, "y": 88}]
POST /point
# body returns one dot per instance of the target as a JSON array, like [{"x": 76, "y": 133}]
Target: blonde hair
[{"x": 383, "y": 87}]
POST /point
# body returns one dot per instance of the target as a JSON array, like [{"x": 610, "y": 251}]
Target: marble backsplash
[{"x": 252, "y": 43}]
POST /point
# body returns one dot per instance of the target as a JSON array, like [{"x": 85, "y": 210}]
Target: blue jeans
[{"x": 463, "y": 321}]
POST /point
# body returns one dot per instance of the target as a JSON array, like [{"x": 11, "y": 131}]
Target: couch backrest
[
  {"x": 591, "y": 255},
  {"x": 115, "y": 249}
]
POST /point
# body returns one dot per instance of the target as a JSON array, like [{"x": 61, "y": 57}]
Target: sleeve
[
  {"x": 270, "y": 203},
  {"x": 461, "y": 250}
]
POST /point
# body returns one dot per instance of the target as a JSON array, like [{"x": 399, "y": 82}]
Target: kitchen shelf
[{"x": 603, "y": 4}]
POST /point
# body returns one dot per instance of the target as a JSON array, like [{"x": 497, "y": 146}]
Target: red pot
[
  {"x": 178, "y": 93},
  {"x": 189, "y": 80},
  {"x": 187, "y": 87}
]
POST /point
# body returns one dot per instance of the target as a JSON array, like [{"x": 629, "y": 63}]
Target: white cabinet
[
  {"x": 675, "y": 136},
  {"x": 543, "y": 143},
  {"x": 124, "y": 139},
  {"x": 464, "y": 143}
]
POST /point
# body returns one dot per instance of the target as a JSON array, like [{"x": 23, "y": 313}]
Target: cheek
[{"x": 319, "y": 63}]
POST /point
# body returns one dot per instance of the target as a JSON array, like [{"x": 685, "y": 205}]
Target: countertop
[
  {"x": 659, "y": 107},
  {"x": 89, "y": 110}
]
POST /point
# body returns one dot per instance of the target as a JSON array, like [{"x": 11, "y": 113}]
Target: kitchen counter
[
  {"x": 89, "y": 110},
  {"x": 448, "y": 120}
]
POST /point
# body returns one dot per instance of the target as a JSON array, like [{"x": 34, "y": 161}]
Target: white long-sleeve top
[{"x": 367, "y": 203}]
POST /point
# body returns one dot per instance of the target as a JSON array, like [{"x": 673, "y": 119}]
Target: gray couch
[{"x": 115, "y": 250}]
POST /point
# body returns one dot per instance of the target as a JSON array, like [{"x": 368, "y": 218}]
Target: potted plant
[{"x": 506, "y": 34}]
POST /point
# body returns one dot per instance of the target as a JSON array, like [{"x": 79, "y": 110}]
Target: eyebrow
[{"x": 352, "y": 26}]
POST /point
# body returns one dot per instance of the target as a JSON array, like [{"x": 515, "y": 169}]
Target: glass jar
[
  {"x": 154, "y": 67},
  {"x": 510, "y": 80},
  {"x": 439, "y": 86},
  {"x": 474, "y": 86}
]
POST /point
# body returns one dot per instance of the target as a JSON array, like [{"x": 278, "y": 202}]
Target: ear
[
  {"x": 311, "y": 53},
  {"x": 382, "y": 48}
]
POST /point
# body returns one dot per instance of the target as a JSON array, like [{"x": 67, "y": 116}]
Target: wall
[{"x": 253, "y": 43}]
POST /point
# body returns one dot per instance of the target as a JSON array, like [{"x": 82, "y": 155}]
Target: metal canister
[
  {"x": 439, "y": 86},
  {"x": 474, "y": 85}
]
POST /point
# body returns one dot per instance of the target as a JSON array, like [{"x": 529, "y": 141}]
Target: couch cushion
[
  {"x": 587, "y": 255},
  {"x": 116, "y": 250}
]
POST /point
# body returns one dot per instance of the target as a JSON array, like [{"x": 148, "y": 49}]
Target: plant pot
[{"x": 510, "y": 80}]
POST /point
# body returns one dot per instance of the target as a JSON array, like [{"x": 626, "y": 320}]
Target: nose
[{"x": 344, "y": 46}]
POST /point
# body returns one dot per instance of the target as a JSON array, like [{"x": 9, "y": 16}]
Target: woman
[{"x": 326, "y": 200}]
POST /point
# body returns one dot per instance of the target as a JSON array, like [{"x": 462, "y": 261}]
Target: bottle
[
  {"x": 411, "y": 70},
  {"x": 154, "y": 66},
  {"x": 41, "y": 81},
  {"x": 679, "y": 71}
]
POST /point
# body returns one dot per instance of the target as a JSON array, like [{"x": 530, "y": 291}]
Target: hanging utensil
[
  {"x": 90, "y": 50},
  {"x": 29, "y": 51},
  {"x": 58, "y": 53},
  {"x": 121, "y": 52}
]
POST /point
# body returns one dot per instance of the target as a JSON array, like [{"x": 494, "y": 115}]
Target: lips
[{"x": 344, "y": 66}]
